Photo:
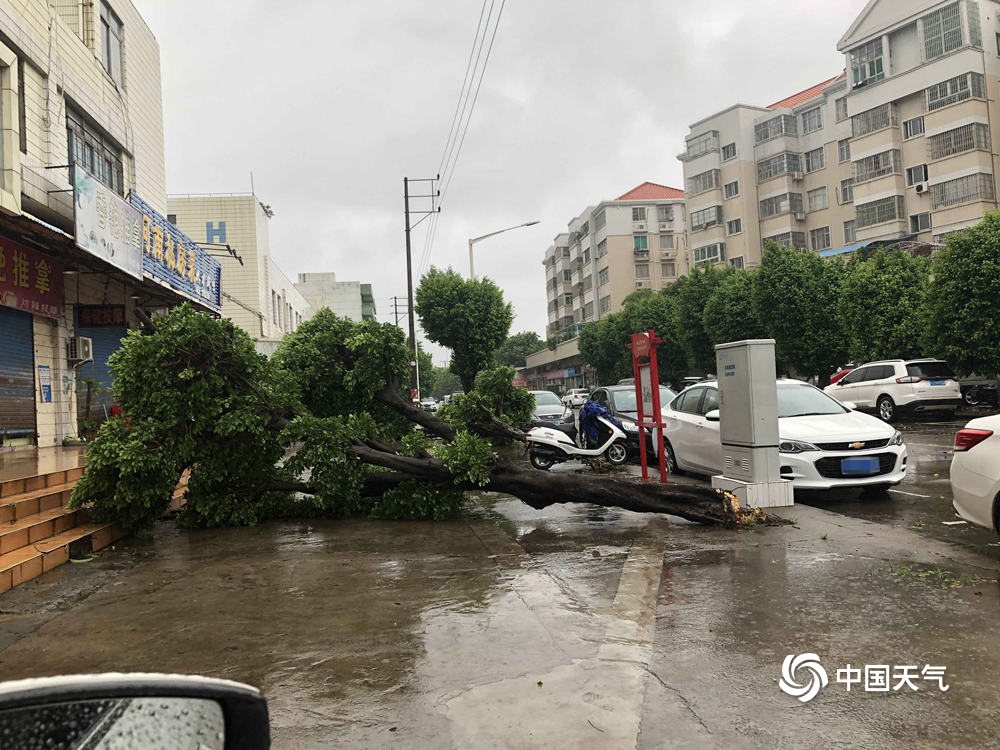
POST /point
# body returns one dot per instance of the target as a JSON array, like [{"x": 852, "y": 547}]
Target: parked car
[
  {"x": 979, "y": 391},
  {"x": 576, "y": 397},
  {"x": 899, "y": 387},
  {"x": 823, "y": 443},
  {"x": 548, "y": 407},
  {"x": 839, "y": 374},
  {"x": 620, "y": 401},
  {"x": 975, "y": 472},
  {"x": 626, "y": 381},
  {"x": 429, "y": 404}
]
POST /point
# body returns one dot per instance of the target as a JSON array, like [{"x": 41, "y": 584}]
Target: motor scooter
[{"x": 556, "y": 443}]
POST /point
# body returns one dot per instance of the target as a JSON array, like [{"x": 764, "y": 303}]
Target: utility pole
[
  {"x": 395, "y": 308},
  {"x": 434, "y": 208}
]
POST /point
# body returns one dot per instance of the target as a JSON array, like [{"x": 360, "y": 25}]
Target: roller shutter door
[{"x": 17, "y": 374}]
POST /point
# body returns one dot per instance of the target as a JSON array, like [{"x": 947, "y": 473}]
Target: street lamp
[{"x": 474, "y": 240}]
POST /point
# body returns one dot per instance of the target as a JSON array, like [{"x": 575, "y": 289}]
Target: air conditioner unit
[
  {"x": 921, "y": 187},
  {"x": 80, "y": 349},
  {"x": 798, "y": 176},
  {"x": 641, "y": 284},
  {"x": 664, "y": 226},
  {"x": 639, "y": 226},
  {"x": 668, "y": 253},
  {"x": 800, "y": 216}
]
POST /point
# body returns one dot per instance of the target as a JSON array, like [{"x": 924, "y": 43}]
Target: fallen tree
[{"x": 322, "y": 429}]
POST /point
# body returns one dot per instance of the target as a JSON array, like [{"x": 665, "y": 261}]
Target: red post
[
  {"x": 640, "y": 343},
  {"x": 643, "y": 346}
]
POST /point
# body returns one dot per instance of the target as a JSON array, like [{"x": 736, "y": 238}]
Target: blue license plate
[
  {"x": 938, "y": 382},
  {"x": 859, "y": 466}
]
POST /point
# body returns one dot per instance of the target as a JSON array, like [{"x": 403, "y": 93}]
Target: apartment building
[
  {"x": 922, "y": 75},
  {"x": 258, "y": 296},
  {"x": 84, "y": 244},
  {"x": 898, "y": 147},
  {"x": 348, "y": 299},
  {"x": 611, "y": 250}
]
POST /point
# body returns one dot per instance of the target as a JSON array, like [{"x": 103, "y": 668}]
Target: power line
[{"x": 450, "y": 164}]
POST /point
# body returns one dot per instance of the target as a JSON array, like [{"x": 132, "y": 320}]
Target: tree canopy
[
  {"x": 729, "y": 314},
  {"x": 469, "y": 316},
  {"x": 517, "y": 347}
]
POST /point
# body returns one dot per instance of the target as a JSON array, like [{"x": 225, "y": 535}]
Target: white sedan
[
  {"x": 975, "y": 472},
  {"x": 823, "y": 443}
]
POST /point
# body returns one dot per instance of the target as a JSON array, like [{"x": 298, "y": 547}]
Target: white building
[{"x": 348, "y": 299}]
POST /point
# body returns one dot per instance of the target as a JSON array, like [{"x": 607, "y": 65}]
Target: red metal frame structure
[{"x": 643, "y": 346}]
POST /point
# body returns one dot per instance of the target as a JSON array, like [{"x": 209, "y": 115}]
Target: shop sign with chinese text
[
  {"x": 96, "y": 316},
  {"x": 174, "y": 259},
  {"x": 106, "y": 225},
  {"x": 29, "y": 280}
]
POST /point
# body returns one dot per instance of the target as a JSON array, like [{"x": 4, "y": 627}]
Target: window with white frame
[
  {"x": 775, "y": 127},
  {"x": 781, "y": 204},
  {"x": 819, "y": 239},
  {"x": 877, "y": 165},
  {"x": 815, "y": 159},
  {"x": 975, "y": 24},
  {"x": 975, "y": 135},
  {"x": 776, "y": 166},
  {"x": 666, "y": 241},
  {"x": 866, "y": 63},
  {"x": 732, "y": 189},
  {"x": 714, "y": 253},
  {"x": 703, "y": 182},
  {"x": 844, "y": 150},
  {"x": 640, "y": 243},
  {"x": 703, "y": 144},
  {"x": 788, "y": 239},
  {"x": 847, "y": 191},
  {"x": 602, "y": 249},
  {"x": 734, "y": 227},
  {"x": 880, "y": 211},
  {"x": 642, "y": 270},
  {"x": 913, "y": 128},
  {"x": 841, "y": 107},
  {"x": 605, "y": 304},
  {"x": 94, "y": 152},
  {"x": 705, "y": 218},
  {"x": 812, "y": 120},
  {"x": 942, "y": 31},
  {"x": 877, "y": 118},
  {"x": 736, "y": 262},
  {"x": 729, "y": 152},
  {"x": 638, "y": 213},
  {"x": 850, "y": 234},
  {"x": 973, "y": 187},
  {"x": 817, "y": 199},
  {"x": 668, "y": 269},
  {"x": 602, "y": 277},
  {"x": 664, "y": 213},
  {"x": 957, "y": 89},
  {"x": 112, "y": 39},
  {"x": 920, "y": 222},
  {"x": 916, "y": 174},
  {"x": 600, "y": 220}
]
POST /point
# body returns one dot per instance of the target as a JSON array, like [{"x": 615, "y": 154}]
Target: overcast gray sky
[{"x": 330, "y": 103}]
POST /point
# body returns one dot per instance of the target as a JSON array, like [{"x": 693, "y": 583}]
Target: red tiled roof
[
  {"x": 650, "y": 191},
  {"x": 803, "y": 96}
]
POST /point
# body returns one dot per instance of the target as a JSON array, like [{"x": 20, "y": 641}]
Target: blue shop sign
[{"x": 172, "y": 258}]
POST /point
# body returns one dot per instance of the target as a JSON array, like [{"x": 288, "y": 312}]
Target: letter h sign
[{"x": 215, "y": 232}]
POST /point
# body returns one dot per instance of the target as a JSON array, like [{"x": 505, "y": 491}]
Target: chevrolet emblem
[{"x": 856, "y": 446}]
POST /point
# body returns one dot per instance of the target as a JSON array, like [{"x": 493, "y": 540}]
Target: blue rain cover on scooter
[{"x": 588, "y": 419}]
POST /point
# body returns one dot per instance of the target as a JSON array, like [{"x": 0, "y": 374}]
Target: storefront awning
[{"x": 844, "y": 250}]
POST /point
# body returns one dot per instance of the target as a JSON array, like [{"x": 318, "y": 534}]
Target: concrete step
[
  {"x": 16, "y": 507},
  {"x": 39, "y": 482},
  {"x": 31, "y": 561},
  {"x": 36, "y": 527}
]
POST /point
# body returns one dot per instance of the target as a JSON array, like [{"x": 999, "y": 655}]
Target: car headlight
[
  {"x": 897, "y": 438},
  {"x": 795, "y": 446},
  {"x": 630, "y": 426}
]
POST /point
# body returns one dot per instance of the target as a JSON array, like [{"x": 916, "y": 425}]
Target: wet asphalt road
[{"x": 575, "y": 627}]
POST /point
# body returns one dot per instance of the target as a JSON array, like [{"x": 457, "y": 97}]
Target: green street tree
[
  {"x": 603, "y": 346},
  {"x": 469, "y": 316},
  {"x": 329, "y": 406},
  {"x": 795, "y": 295},
  {"x": 518, "y": 346},
  {"x": 692, "y": 293},
  {"x": 729, "y": 313},
  {"x": 427, "y": 371},
  {"x": 445, "y": 382},
  {"x": 962, "y": 299},
  {"x": 881, "y": 306}
]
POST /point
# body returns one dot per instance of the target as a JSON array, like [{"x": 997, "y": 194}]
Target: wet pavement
[{"x": 574, "y": 627}]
